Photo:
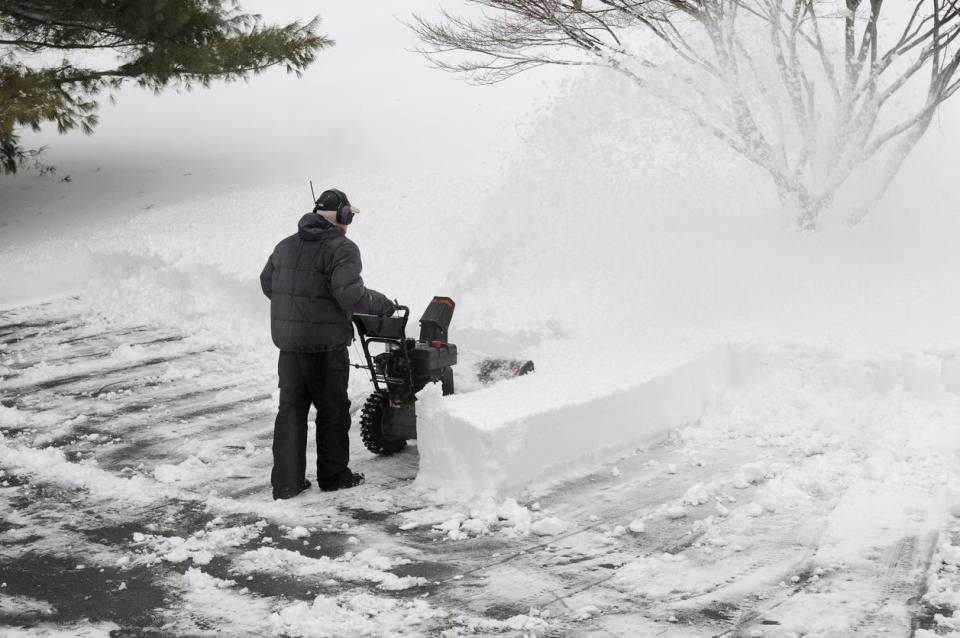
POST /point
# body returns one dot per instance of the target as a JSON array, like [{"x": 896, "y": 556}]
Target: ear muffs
[{"x": 344, "y": 210}]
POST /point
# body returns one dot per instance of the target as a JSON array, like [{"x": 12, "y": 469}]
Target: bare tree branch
[{"x": 804, "y": 102}]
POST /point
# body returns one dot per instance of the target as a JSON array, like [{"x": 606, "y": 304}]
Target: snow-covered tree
[
  {"x": 56, "y": 56},
  {"x": 802, "y": 88}
]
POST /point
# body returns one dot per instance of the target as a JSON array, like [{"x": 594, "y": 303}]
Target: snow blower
[{"x": 389, "y": 418}]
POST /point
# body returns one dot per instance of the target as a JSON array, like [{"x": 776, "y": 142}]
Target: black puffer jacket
[{"x": 314, "y": 285}]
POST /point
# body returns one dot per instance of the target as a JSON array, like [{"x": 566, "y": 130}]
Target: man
[{"x": 313, "y": 282}]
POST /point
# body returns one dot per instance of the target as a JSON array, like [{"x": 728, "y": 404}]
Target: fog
[
  {"x": 371, "y": 105},
  {"x": 368, "y": 104}
]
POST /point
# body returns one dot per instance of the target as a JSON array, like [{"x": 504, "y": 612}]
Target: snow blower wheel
[{"x": 371, "y": 426}]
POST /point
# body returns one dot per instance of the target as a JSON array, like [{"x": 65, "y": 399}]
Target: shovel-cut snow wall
[
  {"x": 951, "y": 373},
  {"x": 459, "y": 454},
  {"x": 487, "y": 444}
]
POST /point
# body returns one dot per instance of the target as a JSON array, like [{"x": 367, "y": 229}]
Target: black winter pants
[{"x": 318, "y": 378}]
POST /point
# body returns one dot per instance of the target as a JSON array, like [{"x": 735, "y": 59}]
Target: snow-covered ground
[
  {"x": 734, "y": 429},
  {"x": 808, "y": 499}
]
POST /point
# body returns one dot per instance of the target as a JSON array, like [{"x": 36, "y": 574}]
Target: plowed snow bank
[{"x": 465, "y": 449}]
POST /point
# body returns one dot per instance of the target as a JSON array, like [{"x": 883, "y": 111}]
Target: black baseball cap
[{"x": 332, "y": 199}]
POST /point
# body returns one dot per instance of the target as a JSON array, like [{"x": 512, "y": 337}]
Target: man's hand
[{"x": 390, "y": 308}]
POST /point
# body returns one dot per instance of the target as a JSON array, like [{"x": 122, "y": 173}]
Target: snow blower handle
[{"x": 398, "y": 308}]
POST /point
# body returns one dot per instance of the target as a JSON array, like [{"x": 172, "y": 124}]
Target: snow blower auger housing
[{"x": 389, "y": 418}]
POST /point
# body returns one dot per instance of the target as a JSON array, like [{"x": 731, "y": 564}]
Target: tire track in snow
[
  {"x": 14, "y": 333},
  {"x": 903, "y": 584},
  {"x": 871, "y": 590},
  {"x": 640, "y": 491},
  {"x": 900, "y": 578}
]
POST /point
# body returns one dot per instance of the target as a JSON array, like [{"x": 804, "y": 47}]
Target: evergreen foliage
[{"x": 56, "y": 56}]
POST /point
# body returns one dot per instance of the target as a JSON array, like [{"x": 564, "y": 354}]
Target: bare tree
[{"x": 801, "y": 88}]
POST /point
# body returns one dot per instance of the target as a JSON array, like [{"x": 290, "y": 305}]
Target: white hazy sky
[{"x": 369, "y": 103}]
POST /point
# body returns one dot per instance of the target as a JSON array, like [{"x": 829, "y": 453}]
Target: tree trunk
[
  {"x": 804, "y": 207},
  {"x": 889, "y": 171}
]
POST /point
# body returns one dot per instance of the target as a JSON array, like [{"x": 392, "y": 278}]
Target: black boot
[
  {"x": 304, "y": 485},
  {"x": 352, "y": 479}
]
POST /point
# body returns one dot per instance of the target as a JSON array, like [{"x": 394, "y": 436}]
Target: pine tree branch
[
  {"x": 175, "y": 42},
  {"x": 35, "y": 46}
]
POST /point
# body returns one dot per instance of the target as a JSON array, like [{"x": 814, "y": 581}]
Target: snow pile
[
  {"x": 295, "y": 533},
  {"x": 536, "y": 450},
  {"x": 22, "y": 605},
  {"x": 210, "y": 599},
  {"x": 483, "y": 516},
  {"x": 365, "y": 566},
  {"x": 369, "y": 615},
  {"x": 52, "y": 464},
  {"x": 360, "y": 615},
  {"x": 523, "y": 624},
  {"x": 943, "y": 586},
  {"x": 843, "y": 466},
  {"x": 210, "y": 461},
  {"x": 207, "y": 600},
  {"x": 654, "y": 576},
  {"x": 196, "y": 581},
  {"x": 637, "y": 526},
  {"x": 206, "y": 467},
  {"x": 827, "y": 420},
  {"x": 188, "y": 469},
  {"x": 11, "y": 417},
  {"x": 502, "y": 447},
  {"x": 200, "y": 548},
  {"x": 74, "y": 630},
  {"x": 549, "y": 526}
]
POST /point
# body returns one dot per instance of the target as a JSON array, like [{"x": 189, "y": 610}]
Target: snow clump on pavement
[
  {"x": 11, "y": 417},
  {"x": 78, "y": 630},
  {"x": 365, "y": 566},
  {"x": 637, "y": 526},
  {"x": 550, "y": 526},
  {"x": 201, "y": 547},
  {"x": 482, "y": 517},
  {"x": 361, "y": 615}
]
